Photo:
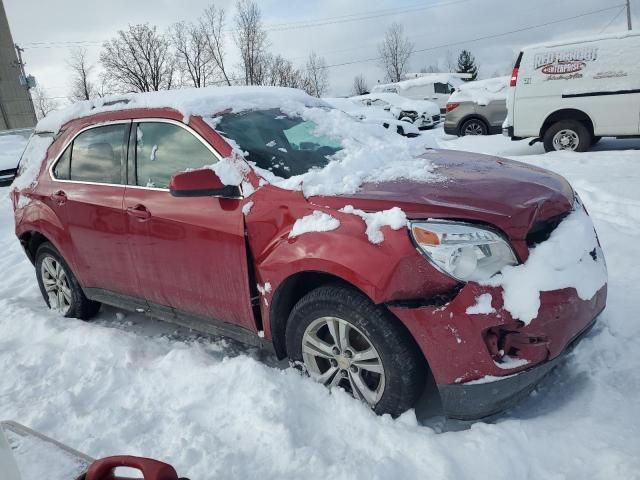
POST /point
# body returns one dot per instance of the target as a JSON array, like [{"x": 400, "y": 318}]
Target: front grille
[{"x": 541, "y": 231}]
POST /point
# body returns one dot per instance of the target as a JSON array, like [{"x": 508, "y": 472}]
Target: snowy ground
[{"x": 133, "y": 385}]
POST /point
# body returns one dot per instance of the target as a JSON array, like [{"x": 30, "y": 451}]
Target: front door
[{"x": 189, "y": 253}]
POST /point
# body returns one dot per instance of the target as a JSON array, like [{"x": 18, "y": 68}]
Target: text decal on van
[{"x": 562, "y": 62}]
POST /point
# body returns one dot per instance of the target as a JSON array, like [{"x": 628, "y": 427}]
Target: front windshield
[{"x": 284, "y": 145}]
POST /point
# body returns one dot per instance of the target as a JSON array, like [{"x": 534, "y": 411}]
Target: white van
[
  {"x": 570, "y": 94},
  {"x": 435, "y": 87}
]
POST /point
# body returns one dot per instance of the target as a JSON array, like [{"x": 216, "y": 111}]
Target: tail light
[
  {"x": 514, "y": 77},
  {"x": 452, "y": 106}
]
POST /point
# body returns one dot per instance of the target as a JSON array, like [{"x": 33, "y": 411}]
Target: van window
[
  {"x": 98, "y": 154},
  {"x": 62, "y": 169},
  {"x": 164, "y": 149}
]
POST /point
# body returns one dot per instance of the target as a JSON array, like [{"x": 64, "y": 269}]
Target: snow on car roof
[
  {"x": 399, "y": 101},
  {"x": 424, "y": 79},
  {"x": 188, "y": 101},
  {"x": 482, "y": 92},
  {"x": 573, "y": 41}
]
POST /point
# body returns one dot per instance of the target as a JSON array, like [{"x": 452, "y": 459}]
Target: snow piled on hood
[
  {"x": 188, "y": 101},
  {"x": 482, "y": 92},
  {"x": 565, "y": 260}
]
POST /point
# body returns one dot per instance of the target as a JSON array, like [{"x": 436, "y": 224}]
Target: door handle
[
  {"x": 59, "y": 197},
  {"x": 139, "y": 211}
]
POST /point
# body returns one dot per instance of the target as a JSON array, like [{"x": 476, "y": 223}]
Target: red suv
[{"x": 250, "y": 212}]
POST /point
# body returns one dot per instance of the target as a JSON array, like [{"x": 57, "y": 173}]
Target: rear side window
[
  {"x": 98, "y": 154},
  {"x": 62, "y": 170},
  {"x": 441, "y": 88},
  {"x": 164, "y": 149}
]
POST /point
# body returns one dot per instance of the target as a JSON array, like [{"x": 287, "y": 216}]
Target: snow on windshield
[{"x": 345, "y": 154}]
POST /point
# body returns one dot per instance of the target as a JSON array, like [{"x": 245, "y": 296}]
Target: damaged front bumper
[{"x": 484, "y": 363}]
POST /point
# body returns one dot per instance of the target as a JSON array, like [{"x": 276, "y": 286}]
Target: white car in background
[
  {"x": 378, "y": 116},
  {"x": 421, "y": 113},
  {"x": 12, "y": 144}
]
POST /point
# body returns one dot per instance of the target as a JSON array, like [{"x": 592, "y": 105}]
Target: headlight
[{"x": 463, "y": 251}]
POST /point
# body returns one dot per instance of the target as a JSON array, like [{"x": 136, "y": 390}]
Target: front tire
[
  {"x": 344, "y": 340},
  {"x": 569, "y": 135},
  {"x": 59, "y": 286}
]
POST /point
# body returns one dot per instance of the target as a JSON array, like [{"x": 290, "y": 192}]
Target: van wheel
[
  {"x": 59, "y": 287},
  {"x": 473, "y": 126},
  {"x": 343, "y": 340},
  {"x": 568, "y": 135}
]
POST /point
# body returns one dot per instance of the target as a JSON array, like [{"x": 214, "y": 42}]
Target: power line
[
  {"x": 486, "y": 37},
  {"x": 613, "y": 19},
  {"x": 275, "y": 27}
]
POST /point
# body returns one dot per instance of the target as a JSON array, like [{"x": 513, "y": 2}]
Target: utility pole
[
  {"x": 628, "y": 14},
  {"x": 24, "y": 77}
]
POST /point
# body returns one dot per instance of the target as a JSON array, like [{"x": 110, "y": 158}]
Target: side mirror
[{"x": 201, "y": 183}]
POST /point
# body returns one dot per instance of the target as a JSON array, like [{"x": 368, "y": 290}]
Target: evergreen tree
[{"x": 467, "y": 64}]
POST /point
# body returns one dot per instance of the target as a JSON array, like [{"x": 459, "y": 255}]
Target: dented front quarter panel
[{"x": 390, "y": 271}]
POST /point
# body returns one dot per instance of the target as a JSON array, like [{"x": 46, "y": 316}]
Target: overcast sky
[{"x": 342, "y": 31}]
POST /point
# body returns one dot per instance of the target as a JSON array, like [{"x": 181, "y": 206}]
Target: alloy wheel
[
  {"x": 566, "y": 140},
  {"x": 337, "y": 354},
  {"x": 473, "y": 128},
  {"x": 56, "y": 285}
]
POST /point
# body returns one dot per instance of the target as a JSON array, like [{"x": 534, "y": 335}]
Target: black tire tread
[
  {"x": 405, "y": 368},
  {"x": 580, "y": 128},
  {"x": 81, "y": 308}
]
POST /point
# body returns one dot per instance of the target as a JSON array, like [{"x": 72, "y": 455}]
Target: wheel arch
[
  {"x": 567, "y": 114},
  {"x": 472, "y": 116},
  {"x": 31, "y": 241}
]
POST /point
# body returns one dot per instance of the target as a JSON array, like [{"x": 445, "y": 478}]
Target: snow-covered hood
[{"x": 509, "y": 195}]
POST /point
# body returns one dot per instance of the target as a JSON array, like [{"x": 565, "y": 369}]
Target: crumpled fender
[{"x": 392, "y": 270}]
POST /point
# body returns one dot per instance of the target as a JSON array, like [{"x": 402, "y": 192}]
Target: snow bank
[
  {"x": 421, "y": 81},
  {"x": 316, "y": 222},
  {"x": 394, "y": 218},
  {"x": 482, "y": 92},
  {"x": 570, "y": 258},
  {"x": 215, "y": 412},
  {"x": 11, "y": 148},
  {"x": 482, "y": 305}
]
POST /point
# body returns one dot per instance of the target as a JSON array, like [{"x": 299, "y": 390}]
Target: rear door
[
  {"x": 189, "y": 253},
  {"x": 88, "y": 191}
]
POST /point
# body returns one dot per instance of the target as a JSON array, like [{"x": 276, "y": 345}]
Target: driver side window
[{"x": 164, "y": 149}]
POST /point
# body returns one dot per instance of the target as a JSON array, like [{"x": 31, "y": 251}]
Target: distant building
[{"x": 16, "y": 106}]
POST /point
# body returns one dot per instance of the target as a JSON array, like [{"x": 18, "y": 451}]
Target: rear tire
[
  {"x": 569, "y": 135},
  {"x": 474, "y": 127},
  {"x": 59, "y": 286},
  {"x": 360, "y": 326}
]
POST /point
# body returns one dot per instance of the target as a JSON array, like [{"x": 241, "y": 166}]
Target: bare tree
[
  {"x": 251, "y": 39},
  {"x": 139, "y": 59},
  {"x": 395, "y": 52},
  {"x": 82, "y": 88},
  {"x": 43, "y": 104},
  {"x": 430, "y": 69},
  {"x": 360, "y": 86},
  {"x": 317, "y": 75},
  {"x": 282, "y": 73},
  {"x": 193, "y": 57},
  {"x": 450, "y": 64},
  {"x": 212, "y": 27}
]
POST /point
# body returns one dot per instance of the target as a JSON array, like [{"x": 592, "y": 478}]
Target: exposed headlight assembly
[{"x": 463, "y": 251}]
